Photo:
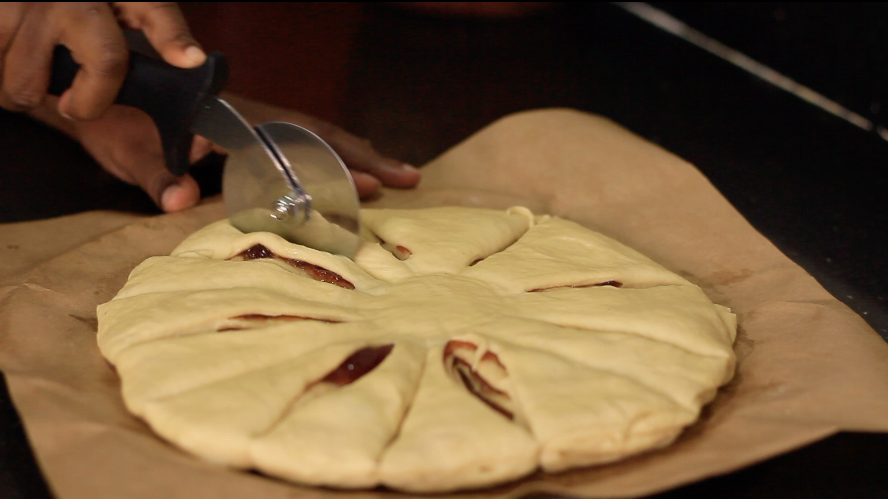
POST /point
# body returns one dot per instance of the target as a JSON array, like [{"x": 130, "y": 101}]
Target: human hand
[
  {"x": 126, "y": 143},
  {"x": 29, "y": 31}
]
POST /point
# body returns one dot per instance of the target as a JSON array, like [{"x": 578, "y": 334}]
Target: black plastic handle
[{"x": 171, "y": 96}]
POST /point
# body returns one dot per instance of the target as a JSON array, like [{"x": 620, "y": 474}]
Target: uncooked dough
[{"x": 461, "y": 348}]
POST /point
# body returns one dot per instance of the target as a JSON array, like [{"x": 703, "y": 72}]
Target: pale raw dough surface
[{"x": 585, "y": 371}]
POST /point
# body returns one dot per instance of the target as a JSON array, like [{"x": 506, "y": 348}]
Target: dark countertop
[{"x": 415, "y": 85}]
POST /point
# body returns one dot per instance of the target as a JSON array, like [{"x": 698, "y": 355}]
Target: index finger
[
  {"x": 97, "y": 43},
  {"x": 165, "y": 27}
]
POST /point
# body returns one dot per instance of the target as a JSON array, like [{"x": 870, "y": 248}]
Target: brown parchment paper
[{"x": 808, "y": 366}]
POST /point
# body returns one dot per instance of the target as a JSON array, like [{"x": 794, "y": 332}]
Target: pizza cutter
[{"x": 278, "y": 177}]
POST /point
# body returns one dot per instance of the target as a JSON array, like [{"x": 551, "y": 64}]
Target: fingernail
[
  {"x": 167, "y": 199},
  {"x": 195, "y": 55},
  {"x": 63, "y": 103},
  {"x": 408, "y": 167}
]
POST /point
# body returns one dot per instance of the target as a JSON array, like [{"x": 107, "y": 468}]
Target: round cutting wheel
[{"x": 309, "y": 198}]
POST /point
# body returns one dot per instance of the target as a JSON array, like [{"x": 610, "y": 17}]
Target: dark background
[{"x": 416, "y": 81}]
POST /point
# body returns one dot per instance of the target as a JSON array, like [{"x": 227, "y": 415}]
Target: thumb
[
  {"x": 165, "y": 27},
  {"x": 148, "y": 171},
  {"x": 127, "y": 144},
  {"x": 169, "y": 192},
  {"x": 179, "y": 194}
]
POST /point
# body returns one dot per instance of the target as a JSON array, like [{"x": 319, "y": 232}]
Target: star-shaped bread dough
[{"x": 461, "y": 348}]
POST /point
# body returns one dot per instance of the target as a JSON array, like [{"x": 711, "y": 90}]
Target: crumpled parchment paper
[{"x": 808, "y": 366}]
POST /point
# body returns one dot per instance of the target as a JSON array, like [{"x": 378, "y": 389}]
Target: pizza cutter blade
[
  {"x": 304, "y": 193},
  {"x": 283, "y": 178}
]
